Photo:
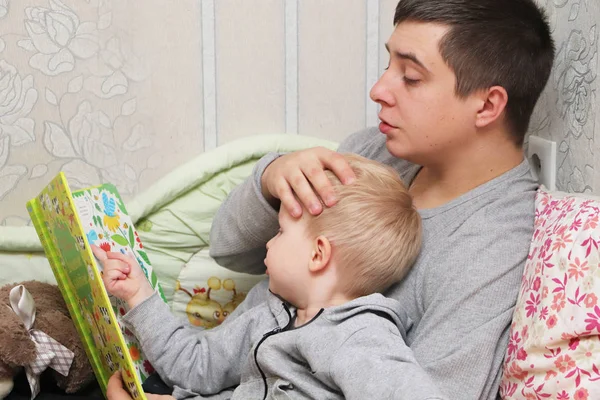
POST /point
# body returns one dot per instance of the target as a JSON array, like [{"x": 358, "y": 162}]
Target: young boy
[{"x": 324, "y": 331}]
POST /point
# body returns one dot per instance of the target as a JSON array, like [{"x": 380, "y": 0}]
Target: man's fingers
[
  {"x": 305, "y": 192},
  {"x": 340, "y": 167},
  {"x": 98, "y": 253},
  {"x": 299, "y": 179},
  {"x": 322, "y": 186},
  {"x": 288, "y": 200}
]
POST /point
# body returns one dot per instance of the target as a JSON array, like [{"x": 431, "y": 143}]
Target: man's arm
[
  {"x": 246, "y": 221},
  {"x": 244, "y": 224},
  {"x": 375, "y": 363},
  {"x": 203, "y": 362}
]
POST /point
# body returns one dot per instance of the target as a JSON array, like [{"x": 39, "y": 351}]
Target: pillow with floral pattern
[{"x": 554, "y": 346}]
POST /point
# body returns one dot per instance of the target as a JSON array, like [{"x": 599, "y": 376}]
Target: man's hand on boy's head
[
  {"x": 123, "y": 277},
  {"x": 303, "y": 173}
]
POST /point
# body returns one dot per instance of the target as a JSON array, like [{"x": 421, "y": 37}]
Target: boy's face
[
  {"x": 423, "y": 119},
  {"x": 288, "y": 256}
]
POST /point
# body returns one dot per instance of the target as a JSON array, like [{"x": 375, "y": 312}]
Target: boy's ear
[
  {"x": 493, "y": 104},
  {"x": 321, "y": 254}
]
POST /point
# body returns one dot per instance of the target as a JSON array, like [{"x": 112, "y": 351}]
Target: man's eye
[{"x": 409, "y": 81}]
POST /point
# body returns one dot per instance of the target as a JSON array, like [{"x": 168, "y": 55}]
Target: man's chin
[
  {"x": 399, "y": 150},
  {"x": 394, "y": 148}
]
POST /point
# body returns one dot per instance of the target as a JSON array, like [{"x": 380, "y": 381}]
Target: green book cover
[{"x": 67, "y": 223}]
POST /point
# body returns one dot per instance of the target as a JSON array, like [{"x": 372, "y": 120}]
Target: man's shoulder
[
  {"x": 371, "y": 143},
  {"x": 509, "y": 198}
]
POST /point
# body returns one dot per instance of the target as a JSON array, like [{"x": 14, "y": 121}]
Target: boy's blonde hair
[{"x": 374, "y": 229}]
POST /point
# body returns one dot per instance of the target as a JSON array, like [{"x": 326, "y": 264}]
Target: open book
[{"x": 67, "y": 223}]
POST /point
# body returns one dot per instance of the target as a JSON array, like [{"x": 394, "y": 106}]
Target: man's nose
[{"x": 380, "y": 92}]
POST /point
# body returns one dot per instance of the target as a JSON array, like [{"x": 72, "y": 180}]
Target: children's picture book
[{"x": 67, "y": 223}]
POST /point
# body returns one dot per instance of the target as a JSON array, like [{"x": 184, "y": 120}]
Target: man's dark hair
[{"x": 492, "y": 43}]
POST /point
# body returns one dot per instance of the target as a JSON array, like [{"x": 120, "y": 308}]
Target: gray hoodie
[{"x": 354, "y": 351}]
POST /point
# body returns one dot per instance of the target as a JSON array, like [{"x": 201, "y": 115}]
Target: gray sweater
[
  {"x": 353, "y": 351},
  {"x": 461, "y": 292}
]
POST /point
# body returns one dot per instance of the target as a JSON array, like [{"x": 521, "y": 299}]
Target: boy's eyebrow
[{"x": 407, "y": 56}]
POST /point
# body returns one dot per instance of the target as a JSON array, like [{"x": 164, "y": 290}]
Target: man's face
[{"x": 423, "y": 119}]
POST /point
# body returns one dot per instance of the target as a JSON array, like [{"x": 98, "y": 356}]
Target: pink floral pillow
[{"x": 554, "y": 347}]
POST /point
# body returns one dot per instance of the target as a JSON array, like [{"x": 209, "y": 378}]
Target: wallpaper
[
  {"x": 94, "y": 88},
  {"x": 568, "y": 110},
  {"x": 124, "y": 92}
]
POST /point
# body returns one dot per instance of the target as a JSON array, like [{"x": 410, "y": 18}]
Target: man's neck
[{"x": 438, "y": 183}]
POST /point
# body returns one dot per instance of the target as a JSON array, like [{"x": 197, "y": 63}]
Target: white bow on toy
[{"x": 49, "y": 351}]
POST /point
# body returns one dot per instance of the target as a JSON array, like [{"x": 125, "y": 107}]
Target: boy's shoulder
[
  {"x": 366, "y": 330},
  {"x": 372, "y": 313}
]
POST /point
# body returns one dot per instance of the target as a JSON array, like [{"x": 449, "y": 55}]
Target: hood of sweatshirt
[{"x": 373, "y": 303}]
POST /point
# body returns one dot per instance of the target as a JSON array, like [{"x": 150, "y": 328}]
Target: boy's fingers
[
  {"x": 98, "y": 252},
  {"x": 114, "y": 389},
  {"x": 116, "y": 265},
  {"x": 114, "y": 274},
  {"x": 121, "y": 257}
]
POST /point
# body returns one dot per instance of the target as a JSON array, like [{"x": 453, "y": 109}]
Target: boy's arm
[
  {"x": 123, "y": 277},
  {"x": 203, "y": 362},
  {"x": 375, "y": 363}
]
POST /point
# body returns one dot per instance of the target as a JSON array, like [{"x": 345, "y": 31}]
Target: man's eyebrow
[{"x": 407, "y": 56}]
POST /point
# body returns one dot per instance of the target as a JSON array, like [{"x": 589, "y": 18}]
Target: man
[{"x": 456, "y": 100}]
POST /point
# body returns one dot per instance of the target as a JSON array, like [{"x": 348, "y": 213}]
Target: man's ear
[
  {"x": 493, "y": 104},
  {"x": 321, "y": 254}
]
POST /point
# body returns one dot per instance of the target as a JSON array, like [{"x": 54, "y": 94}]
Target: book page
[{"x": 107, "y": 225}]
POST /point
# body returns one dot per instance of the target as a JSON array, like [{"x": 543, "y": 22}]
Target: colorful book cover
[{"x": 67, "y": 223}]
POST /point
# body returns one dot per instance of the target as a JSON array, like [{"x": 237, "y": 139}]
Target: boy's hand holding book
[{"x": 123, "y": 277}]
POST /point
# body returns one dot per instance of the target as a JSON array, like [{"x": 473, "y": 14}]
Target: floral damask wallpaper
[
  {"x": 75, "y": 83},
  {"x": 568, "y": 110}
]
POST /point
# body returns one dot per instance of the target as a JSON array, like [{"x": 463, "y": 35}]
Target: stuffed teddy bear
[{"x": 17, "y": 348}]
